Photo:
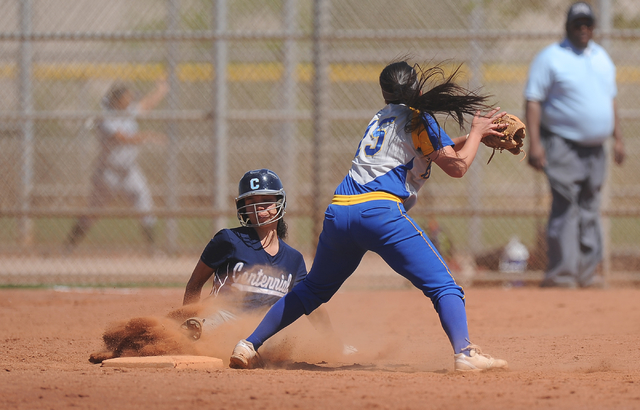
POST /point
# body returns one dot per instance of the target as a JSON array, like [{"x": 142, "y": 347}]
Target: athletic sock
[
  {"x": 453, "y": 318},
  {"x": 286, "y": 311}
]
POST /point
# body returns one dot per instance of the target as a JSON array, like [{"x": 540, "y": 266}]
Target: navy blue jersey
[{"x": 245, "y": 274}]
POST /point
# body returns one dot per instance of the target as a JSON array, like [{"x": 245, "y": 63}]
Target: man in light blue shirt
[{"x": 570, "y": 113}]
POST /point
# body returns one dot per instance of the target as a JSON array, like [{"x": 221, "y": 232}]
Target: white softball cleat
[
  {"x": 244, "y": 356},
  {"x": 477, "y": 361},
  {"x": 193, "y": 327}
]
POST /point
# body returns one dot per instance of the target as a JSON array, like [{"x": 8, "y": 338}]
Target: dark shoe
[
  {"x": 554, "y": 284},
  {"x": 597, "y": 282}
]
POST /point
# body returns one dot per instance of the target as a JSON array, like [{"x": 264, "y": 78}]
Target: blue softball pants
[{"x": 381, "y": 226}]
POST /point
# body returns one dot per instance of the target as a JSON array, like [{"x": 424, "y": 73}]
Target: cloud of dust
[
  {"x": 377, "y": 325},
  {"x": 152, "y": 335},
  {"x": 376, "y": 341},
  {"x": 379, "y": 337}
]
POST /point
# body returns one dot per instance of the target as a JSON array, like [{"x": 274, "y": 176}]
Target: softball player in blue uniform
[
  {"x": 369, "y": 208},
  {"x": 252, "y": 266}
]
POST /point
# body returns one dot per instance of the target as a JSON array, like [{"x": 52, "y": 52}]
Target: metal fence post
[
  {"x": 173, "y": 13},
  {"x": 288, "y": 136},
  {"x": 604, "y": 24},
  {"x": 26, "y": 107},
  {"x": 320, "y": 107},
  {"x": 220, "y": 189},
  {"x": 474, "y": 186}
]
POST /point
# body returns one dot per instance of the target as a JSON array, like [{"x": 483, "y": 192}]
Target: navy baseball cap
[{"x": 580, "y": 10}]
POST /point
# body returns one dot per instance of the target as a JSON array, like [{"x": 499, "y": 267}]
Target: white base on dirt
[{"x": 176, "y": 362}]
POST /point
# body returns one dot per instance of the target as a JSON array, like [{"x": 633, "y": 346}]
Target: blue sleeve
[
  {"x": 438, "y": 137},
  {"x": 218, "y": 250}
]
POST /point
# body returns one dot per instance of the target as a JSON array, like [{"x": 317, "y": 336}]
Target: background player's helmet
[{"x": 260, "y": 182}]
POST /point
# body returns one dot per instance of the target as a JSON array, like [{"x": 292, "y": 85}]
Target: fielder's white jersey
[
  {"x": 390, "y": 159},
  {"x": 116, "y": 155}
]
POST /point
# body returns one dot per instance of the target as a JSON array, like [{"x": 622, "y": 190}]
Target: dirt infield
[{"x": 567, "y": 349}]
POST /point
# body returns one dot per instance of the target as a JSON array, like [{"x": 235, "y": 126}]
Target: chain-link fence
[{"x": 288, "y": 85}]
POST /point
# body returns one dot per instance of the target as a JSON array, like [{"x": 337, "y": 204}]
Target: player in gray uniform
[{"x": 117, "y": 170}]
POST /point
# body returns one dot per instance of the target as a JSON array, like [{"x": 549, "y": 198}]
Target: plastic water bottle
[{"x": 514, "y": 257}]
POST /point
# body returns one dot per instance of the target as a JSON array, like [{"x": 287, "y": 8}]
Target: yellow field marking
[
  {"x": 505, "y": 73},
  {"x": 263, "y": 72},
  {"x": 628, "y": 74}
]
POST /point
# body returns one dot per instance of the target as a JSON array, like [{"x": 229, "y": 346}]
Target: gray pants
[
  {"x": 574, "y": 235},
  {"x": 131, "y": 182},
  {"x": 216, "y": 319}
]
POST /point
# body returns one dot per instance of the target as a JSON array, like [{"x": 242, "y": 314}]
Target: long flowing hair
[{"x": 430, "y": 91}]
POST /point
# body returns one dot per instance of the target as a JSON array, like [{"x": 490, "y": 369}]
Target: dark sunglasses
[{"x": 578, "y": 24}]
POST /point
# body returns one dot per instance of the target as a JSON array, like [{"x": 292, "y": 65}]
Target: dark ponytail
[
  {"x": 403, "y": 84},
  {"x": 282, "y": 229}
]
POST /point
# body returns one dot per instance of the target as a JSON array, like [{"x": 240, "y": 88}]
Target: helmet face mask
[
  {"x": 252, "y": 211},
  {"x": 260, "y": 183}
]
